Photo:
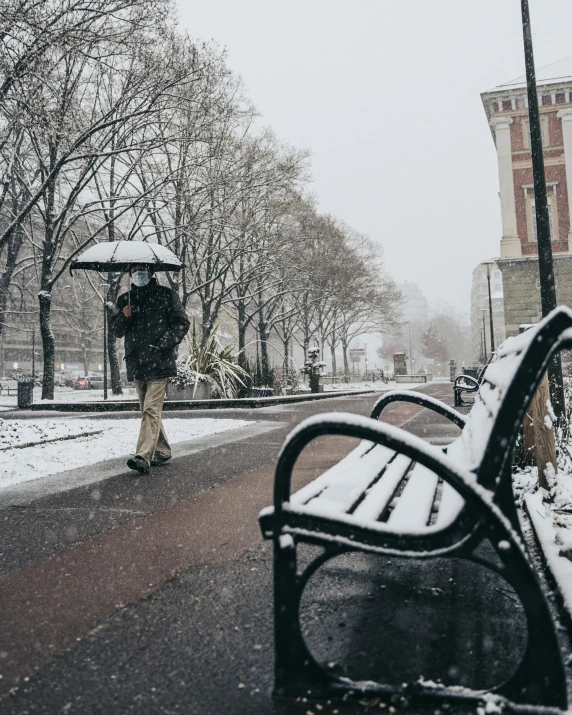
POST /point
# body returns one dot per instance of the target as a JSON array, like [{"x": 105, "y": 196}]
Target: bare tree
[{"x": 95, "y": 104}]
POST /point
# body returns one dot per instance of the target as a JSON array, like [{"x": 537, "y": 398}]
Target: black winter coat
[{"x": 157, "y": 319}]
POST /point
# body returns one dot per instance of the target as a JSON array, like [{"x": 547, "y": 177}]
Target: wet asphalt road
[{"x": 154, "y": 594}]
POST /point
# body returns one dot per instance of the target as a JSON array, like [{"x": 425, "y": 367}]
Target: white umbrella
[{"x": 119, "y": 256}]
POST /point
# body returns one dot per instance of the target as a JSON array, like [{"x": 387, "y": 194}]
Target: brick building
[{"x": 506, "y": 107}]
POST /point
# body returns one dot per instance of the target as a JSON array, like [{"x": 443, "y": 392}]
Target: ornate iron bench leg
[
  {"x": 295, "y": 669},
  {"x": 540, "y": 678}
]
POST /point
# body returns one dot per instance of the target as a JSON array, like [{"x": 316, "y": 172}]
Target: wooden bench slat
[
  {"x": 347, "y": 481},
  {"x": 381, "y": 493},
  {"x": 320, "y": 483},
  {"x": 413, "y": 508}
]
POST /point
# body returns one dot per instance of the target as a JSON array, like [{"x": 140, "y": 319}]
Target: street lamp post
[
  {"x": 104, "y": 350},
  {"x": 545, "y": 262},
  {"x": 33, "y": 353},
  {"x": 483, "y": 311},
  {"x": 488, "y": 265}
]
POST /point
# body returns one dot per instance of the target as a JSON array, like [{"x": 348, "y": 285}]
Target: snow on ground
[
  {"x": 68, "y": 394},
  {"x": 378, "y": 386},
  {"x": 96, "y": 441}
]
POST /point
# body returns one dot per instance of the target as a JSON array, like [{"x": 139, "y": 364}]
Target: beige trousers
[{"x": 152, "y": 438}]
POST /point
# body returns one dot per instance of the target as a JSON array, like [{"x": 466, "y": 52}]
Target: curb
[{"x": 182, "y": 405}]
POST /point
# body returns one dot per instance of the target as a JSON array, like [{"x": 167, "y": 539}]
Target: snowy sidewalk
[{"x": 33, "y": 449}]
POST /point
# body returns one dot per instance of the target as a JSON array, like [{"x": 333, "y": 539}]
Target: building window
[
  {"x": 543, "y": 133},
  {"x": 532, "y": 230},
  {"x": 533, "y": 217}
]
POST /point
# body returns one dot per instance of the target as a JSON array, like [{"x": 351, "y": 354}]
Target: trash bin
[{"x": 25, "y": 393}]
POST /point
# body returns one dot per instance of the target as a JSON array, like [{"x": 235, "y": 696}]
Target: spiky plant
[{"x": 206, "y": 356}]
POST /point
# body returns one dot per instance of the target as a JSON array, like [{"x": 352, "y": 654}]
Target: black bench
[
  {"x": 381, "y": 499},
  {"x": 7, "y": 390},
  {"x": 466, "y": 383}
]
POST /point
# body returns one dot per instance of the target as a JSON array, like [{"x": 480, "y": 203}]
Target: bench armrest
[
  {"x": 471, "y": 384},
  {"x": 419, "y": 399}
]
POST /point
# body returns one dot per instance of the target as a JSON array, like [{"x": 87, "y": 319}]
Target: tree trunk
[
  {"x": 112, "y": 353},
  {"x": 286, "y": 346},
  {"x": 85, "y": 359},
  {"x": 207, "y": 321},
  {"x": 345, "y": 353},
  {"x": 264, "y": 361},
  {"x": 242, "y": 390},
  {"x": 333, "y": 344},
  {"x": 113, "y": 358},
  {"x": 306, "y": 346},
  {"x": 45, "y": 293},
  {"x": 14, "y": 246},
  {"x": 48, "y": 344},
  {"x": 241, "y": 328}
]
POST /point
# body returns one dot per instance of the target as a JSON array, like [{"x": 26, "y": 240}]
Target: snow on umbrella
[{"x": 119, "y": 256}]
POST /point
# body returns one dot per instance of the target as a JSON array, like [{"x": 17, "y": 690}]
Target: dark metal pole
[
  {"x": 410, "y": 350},
  {"x": 490, "y": 310},
  {"x": 33, "y": 352},
  {"x": 104, "y": 351},
  {"x": 545, "y": 262},
  {"x": 484, "y": 335}
]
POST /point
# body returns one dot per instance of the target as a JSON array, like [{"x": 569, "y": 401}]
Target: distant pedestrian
[{"x": 154, "y": 322}]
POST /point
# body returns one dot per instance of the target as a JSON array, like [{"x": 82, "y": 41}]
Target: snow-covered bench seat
[{"x": 396, "y": 494}]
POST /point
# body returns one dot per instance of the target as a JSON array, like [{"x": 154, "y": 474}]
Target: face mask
[{"x": 140, "y": 278}]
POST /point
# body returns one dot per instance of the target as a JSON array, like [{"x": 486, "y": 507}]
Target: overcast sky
[{"x": 386, "y": 96}]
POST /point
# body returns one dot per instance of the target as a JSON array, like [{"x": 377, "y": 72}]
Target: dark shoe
[
  {"x": 158, "y": 461},
  {"x": 138, "y": 464}
]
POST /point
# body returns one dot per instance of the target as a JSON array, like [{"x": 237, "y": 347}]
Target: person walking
[{"x": 153, "y": 322}]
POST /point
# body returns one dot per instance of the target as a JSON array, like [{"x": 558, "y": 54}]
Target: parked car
[{"x": 90, "y": 382}]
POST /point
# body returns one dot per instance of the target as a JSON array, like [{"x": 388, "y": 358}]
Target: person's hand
[{"x": 127, "y": 311}]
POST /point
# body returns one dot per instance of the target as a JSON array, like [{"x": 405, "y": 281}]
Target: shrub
[{"x": 207, "y": 359}]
